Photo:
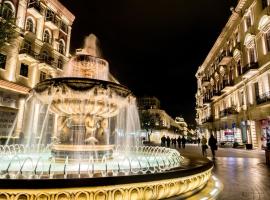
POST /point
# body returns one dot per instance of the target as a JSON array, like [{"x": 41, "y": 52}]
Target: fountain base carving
[{"x": 82, "y": 152}]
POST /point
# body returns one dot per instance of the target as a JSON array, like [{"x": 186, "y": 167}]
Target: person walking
[
  {"x": 199, "y": 141},
  {"x": 179, "y": 141},
  {"x": 184, "y": 142},
  {"x": 163, "y": 141},
  {"x": 204, "y": 146},
  {"x": 212, "y": 142},
  {"x": 168, "y": 140},
  {"x": 174, "y": 142}
]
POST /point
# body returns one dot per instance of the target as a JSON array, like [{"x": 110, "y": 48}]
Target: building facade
[
  {"x": 39, "y": 52},
  {"x": 158, "y": 121},
  {"x": 146, "y": 102},
  {"x": 233, "y": 96}
]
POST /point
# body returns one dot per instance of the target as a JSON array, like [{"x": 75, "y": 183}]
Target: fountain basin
[{"x": 185, "y": 181}]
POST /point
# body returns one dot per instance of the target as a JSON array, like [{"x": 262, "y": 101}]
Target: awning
[{"x": 14, "y": 87}]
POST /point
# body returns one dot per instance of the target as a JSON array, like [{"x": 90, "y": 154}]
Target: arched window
[
  {"x": 44, "y": 56},
  {"x": 60, "y": 64},
  {"x": 30, "y": 25},
  {"x": 47, "y": 37},
  {"x": 8, "y": 10},
  {"x": 61, "y": 47}
]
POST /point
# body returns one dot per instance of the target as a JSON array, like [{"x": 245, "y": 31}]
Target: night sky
[{"x": 153, "y": 46}]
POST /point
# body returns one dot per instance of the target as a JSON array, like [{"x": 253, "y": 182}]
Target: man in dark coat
[
  {"x": 212, "y": 142},
  {"x": 179, "y": 141},
  {"x": 168, "y": 140},
  {"x": 184, "y": 142}
]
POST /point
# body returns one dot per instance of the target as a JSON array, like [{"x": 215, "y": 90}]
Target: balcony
[
  {"x": 227, "y": 85},
  {"x": 250, "y": 69},
  {"x": 264, "y": 98},
  {"x": 63, "y": 27},
  {"x": 205, "y": 82},
  {"x": 26, "y": 54},
  {"x": 52, "y": 23},
  {"x": 46, "y": 63},
  {"x": 208, "y": 119},
  {"x": 35, "y": 9},
  {"x": 216, "y": 94},
  {"x": 206, "y": 101},
  {"x": 227, "y": 112},
  {"x": 225, "y": 58}
]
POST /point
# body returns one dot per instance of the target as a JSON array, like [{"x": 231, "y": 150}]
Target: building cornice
[
  {"x": 233, "y": 20},
  {"x": 60, "y": 7}
]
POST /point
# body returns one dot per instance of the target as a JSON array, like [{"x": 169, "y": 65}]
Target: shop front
[{"x": 265, "y": 133}]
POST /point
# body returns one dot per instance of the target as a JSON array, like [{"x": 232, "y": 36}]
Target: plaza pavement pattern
[{"x": 243, "y": 173}]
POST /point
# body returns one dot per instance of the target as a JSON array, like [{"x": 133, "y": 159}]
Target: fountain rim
[
  {"x": 109, "y": 180},
  {"x": 44, "y": 85}
]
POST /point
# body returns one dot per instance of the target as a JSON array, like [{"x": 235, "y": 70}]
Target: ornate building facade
[
  {"x": 39, "y": 52},
  {"x": 233, "y": 96}
]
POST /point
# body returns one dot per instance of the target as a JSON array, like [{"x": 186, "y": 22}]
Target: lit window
[
  {"x": 61, "y": 47},
  {"x": 3, "y": 59},
  {"x": 24, "y": 70},
  {"x": 7, "y": 11},
  {"x": 46, "y": 37},
  {"x": 252, "y": 55},
  {"x": 42, "y": 76},
  {"x": 248, "y": 21},
  {"x": 29, "y": 25},
  {"x": 265, "y": 3},
  {"x": 60, "y": 64},
  {"x": 44, "y": 56},
  {"x": 267, "y": 41}
]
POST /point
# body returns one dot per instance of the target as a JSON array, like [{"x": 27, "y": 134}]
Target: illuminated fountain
[{"x": 83, "y": 127}]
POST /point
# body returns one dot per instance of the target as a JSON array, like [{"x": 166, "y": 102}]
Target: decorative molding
[{"x": 145, "y": 190}]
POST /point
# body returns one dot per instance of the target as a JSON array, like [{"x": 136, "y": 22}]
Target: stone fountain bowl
[
  {"x": 80, "y": 96},
  {"x": 193, "y": 178}
]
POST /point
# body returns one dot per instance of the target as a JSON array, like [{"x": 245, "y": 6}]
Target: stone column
[
  {"x": 21, "y": 14},
  {"x": 68, "y": 41},
  {"x": 40, "y": 28}
]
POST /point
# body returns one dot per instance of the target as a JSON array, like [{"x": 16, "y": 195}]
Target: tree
[
  {"x": 7, "y": 26},
  {"x": 148, "y": 122}
]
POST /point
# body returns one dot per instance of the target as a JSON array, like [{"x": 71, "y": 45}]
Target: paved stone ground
[{"x": 242, "y": 172}]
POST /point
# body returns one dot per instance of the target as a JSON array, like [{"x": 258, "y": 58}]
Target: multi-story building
[
  {"x": 39, "y": 52},
  {"x": 233, "y": 96},
  {"x": 147, "y": 102},
  {"x": 158, "y": 120}
]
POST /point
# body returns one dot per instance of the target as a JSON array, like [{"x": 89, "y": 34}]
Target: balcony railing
[
  {"x": 215, "y": 94},
  {"x": 36, "y": 5},
  {"x": 39, "y": 57},
  {"x": 265, "y": 97},
  {"x": 253, "y": 65},
  {"x": 225, "y": 57},
  {"x": 228, "y": 111},
  {"x": 206, "y": 101},
  {"x": 226, "y": 85}
]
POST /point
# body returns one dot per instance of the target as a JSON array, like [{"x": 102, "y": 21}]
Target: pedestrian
[
  {"x": 204, "y": 146},
  {"x": 179, "y": 141},
  {"x": 168, "y": 140},
  {"x": 184, "y": 142},
  {"x": 163, "y": 141},
  {"x": 174, "y": 142},
  {"x": 212, "y": 142}
]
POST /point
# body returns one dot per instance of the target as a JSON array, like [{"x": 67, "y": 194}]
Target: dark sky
[{"x": 153, "y": 46}]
